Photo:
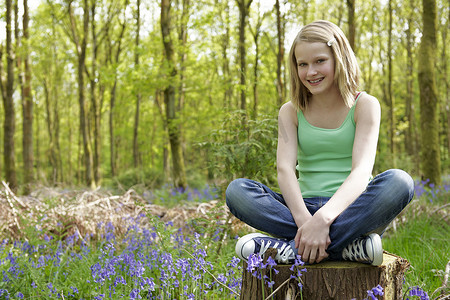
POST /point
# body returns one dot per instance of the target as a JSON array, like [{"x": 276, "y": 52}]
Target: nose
[{"x": 311, "y": 71}]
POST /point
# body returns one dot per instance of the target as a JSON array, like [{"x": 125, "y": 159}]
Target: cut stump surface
[{"x": 329, "y": 280}]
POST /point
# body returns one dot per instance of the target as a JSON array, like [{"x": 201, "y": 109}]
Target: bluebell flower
[
  {"x": 253, "y": 262},
  {"x": 378, "y": 290},
  {"x": 191, "y": 296},
  {"x": 417, "y": 291},
  {"x": 271, "y": 262},
  {"x": 135, "y": 294}
]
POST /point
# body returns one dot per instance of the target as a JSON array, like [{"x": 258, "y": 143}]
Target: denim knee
[
  {"x": 401, "y": 182},
  {"x": 234, "y": 191}
]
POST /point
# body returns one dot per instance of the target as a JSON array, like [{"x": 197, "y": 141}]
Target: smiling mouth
[{"x": 315, "y": 81}]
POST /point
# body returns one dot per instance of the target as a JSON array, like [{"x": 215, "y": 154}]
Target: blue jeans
[{"x": 384, "y": 198}]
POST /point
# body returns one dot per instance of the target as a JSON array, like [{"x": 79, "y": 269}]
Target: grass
[
  {"x": 423, "y": 238},
  {"x": 155, "y": 260}
]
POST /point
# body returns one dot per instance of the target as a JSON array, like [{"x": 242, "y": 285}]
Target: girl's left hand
[{"x": 312, "y": 240}]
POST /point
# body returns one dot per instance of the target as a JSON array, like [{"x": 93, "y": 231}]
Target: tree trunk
[
  {"x": 94, "y": 99},
  {"x": 445, "y": 105},
  {"x": 138, "y": 93},
  {"x": 256, "y": 35},
  {"x": 112, "y": 149},
  {"x": 328, "y": 280},
  {"x": 81, "y": 55},
  {"x": 351, "y": 23},
  {"x": 179, "y": 173},
  {"x": 411, "y": 146},
  {"x": 113, "y": 58},
  {"x": 244, "y": 7},
  {"x": 430, "y": 154},
  {"x": 224, "y": 44},
  {"x": 281, "y": 91},
  {"x": 389, "y": 91},
  {"x": 50, "y": 130},
  {"x": 9, "y": 125},
  {"x": 27, "y": 106}
]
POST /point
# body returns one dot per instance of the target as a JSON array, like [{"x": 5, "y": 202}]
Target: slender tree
[
  {"x": 351, "y": 23},
  {"x": 9, "y": 123},
  {"x": 389, "y": 96},
  {"x": 81, "y": 47},
  {"x": 430, "y": 154},
  {"x": 27, "y": 104},
  {"x": 411, "y": 134},
  {"x": 223, "y": 12},
  {"x": 256, "y": 33},
  {"x": 114, "y": 49},
  {"x": 244, "y": 7},
  {"x": 138, "y": 92},
  {"x": 281, "y": 90},
  {"x": 178, "y": 168}
]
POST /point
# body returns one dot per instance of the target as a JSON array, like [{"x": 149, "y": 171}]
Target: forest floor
[
  {"x": 63, "y": 212},
  {"x": 420, "y": 233}
]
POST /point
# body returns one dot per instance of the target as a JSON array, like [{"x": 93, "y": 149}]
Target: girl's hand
[{"x": 312, "y": 240}]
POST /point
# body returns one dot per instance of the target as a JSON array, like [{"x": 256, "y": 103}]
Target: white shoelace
[
  {"x": 355, "y": 251},
  {"x": 284, "y": 252}
]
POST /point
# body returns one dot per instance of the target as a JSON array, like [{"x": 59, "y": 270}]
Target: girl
[{"x": 328, "y": 132}]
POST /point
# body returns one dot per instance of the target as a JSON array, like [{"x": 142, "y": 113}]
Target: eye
[
  {"x": 321, "y": 60},
  {"x": 301, "y": 64}
]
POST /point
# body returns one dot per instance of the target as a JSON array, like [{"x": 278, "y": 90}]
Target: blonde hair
[{"x": 346, "y": 69}]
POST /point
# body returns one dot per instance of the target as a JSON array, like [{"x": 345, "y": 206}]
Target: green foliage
[
  {"x": 243, "y": 148},
  {"x": 210, "y": 84}
]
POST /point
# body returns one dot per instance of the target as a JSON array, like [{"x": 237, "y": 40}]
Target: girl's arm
[
  {"x": 312, "y": 236},
  {"x": 286, "y": 162}
]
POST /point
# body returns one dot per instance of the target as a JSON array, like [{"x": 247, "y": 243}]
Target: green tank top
[{"x": 324, "y": 155}]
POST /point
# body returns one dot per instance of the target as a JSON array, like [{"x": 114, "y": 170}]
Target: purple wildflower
[
  {"x": 417, "y": 291},
  {"x": 254, "y": 261}
]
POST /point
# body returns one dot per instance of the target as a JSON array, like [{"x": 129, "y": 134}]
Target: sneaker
[
  {"x": 366, "y": 249},
  {"x": 258, "y": 243}
]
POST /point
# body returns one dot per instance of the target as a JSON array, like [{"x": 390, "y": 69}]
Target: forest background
[{"x": 101, "y": 93}]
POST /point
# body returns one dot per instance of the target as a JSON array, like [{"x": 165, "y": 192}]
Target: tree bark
[
  {"x": 411, "y": 133},
  {"x": 27, "y": 106},
  {"x": 81, "y": 55},
  {"x": 391, "y": 101},
  {"x": 351, "y": 23},
  {"x": 50, "y": 130},
  {"x": 138, "y": 93},
  {"x": 113, "y": 58},
  {"x": 112, "y": 140},
  {"x": 94, "y": 101},
  {"x": 244, "y": 7},
  {"x": 328, "y": 280},
  {"x": 9, "y": 124},
  {"x": 281, "y": 91},
  {"x": 256, "y": 33},
  {"x": 178, "y": 168},
  {"x": 430, "y": 154},
  {"x": 223, "y": 6}
]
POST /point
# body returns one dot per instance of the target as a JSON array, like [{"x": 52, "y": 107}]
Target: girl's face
[{"x": 315, "y": 66}]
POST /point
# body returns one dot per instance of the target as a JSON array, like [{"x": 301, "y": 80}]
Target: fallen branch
[
  {"x": 278, "y": 288},
  {"x": 439, "y": 208},
  {"x": 8, "y": 191},
  {"x": 447, "y": 271},
  {"x": 107, "y": 199},
  {"x": 8, "y": 195}
]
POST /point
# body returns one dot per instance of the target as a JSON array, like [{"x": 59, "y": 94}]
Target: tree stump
[{"x": 328, "y": 280}]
